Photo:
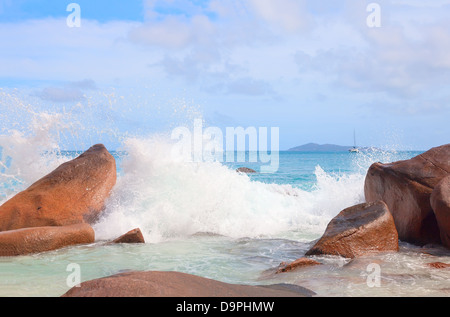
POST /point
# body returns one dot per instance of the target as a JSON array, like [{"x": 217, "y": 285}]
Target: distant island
[{"x": 314, "y": 147}]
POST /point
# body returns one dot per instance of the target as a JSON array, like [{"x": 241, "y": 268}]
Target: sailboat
[{"x": 354, "y": 149}]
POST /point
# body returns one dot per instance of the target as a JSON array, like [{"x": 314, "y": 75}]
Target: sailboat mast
[{"x": 355, "y": 149}]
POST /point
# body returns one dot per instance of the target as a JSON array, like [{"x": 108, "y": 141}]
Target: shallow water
[{"x": 238, "y": 261}]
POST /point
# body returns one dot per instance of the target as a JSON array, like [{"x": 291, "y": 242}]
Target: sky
[{"x": 317, "y": 70}]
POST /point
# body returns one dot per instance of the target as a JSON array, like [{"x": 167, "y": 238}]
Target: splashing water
[
  {"x": 26, "y": 158},
  {"x": 171, "y": 199}
]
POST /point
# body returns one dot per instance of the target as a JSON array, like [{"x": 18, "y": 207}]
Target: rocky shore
[{"x": 405, "y": 201}]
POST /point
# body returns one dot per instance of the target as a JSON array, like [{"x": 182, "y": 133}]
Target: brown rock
[
  {"x": 406, "y": 186},
  {"x": 174, "y": 284},
  {"x": 440, "y": 202},
  {"x": 439, "y": 265},
  {"x": 134, "y": 236},
  {"x": 73, "y": 193},
  {"x": 359, "y": 230},
  {"x": 42, "y": 239},
  {"x": 297, "y": 264}
]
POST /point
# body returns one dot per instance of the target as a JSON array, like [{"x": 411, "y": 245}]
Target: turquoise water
[
  {"x": 298, "y": 168},
  {"x": 206, "y": 219}
]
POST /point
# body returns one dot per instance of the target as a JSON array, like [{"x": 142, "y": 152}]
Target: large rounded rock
[
  {"x": 73, "y": 193},
  {"x": 440, "y": 201},
  {"x": 43, "y": 239},
  {"x": 174, "y": 284},
  {"x": 406, "y": 187},
  {"x": 359, "y": 230}
]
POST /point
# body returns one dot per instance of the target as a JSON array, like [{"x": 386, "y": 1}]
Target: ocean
[{"x": 208, "y": 220}]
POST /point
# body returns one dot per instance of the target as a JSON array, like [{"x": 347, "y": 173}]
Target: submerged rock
[
  {"x": 440, "y": 202},
  {"x": 43, "y": 239},
  {"x": 439, "y": 265},
  {"x": 406, "y": 187},
  {"x": 245, "y": 170},
  {"x": 357, "y": 231},
  {"x": 133, "y": 236},
  {"x": 73, "y": 193},
  {"x": 174, "y": 284},
  {"x": 297, "y": 264}
]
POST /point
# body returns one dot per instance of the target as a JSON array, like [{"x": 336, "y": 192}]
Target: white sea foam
[{"x": 169, "y": 199}]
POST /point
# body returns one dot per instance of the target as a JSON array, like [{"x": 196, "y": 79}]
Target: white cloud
[
  {"x": 69, "y": 92},
  {"x": 61, "y": 94},
  {"x": 245, "y": 86},
  {"x": 290, "y": 15},
  {"x": 174, "y": 32},
  {"x": 87, "y": 84},
  {"x": 248, "y": 47},
  {"x": 421, "y": 4},
  {"x": 47, "y": 49}
]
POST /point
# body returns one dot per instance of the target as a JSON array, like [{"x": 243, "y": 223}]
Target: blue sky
[
  {"x": 312, "y": 68},
  {"x": 100, "y": 10}
]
